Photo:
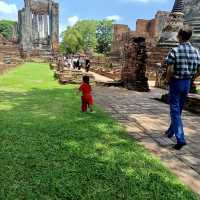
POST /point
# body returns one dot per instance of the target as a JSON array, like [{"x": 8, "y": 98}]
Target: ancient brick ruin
[
  {"x": 9, "y": 54},
  {"x": 38, "y": 27},
  {"x": 152, "y": 28},
  {"x": 35, "y": 35},
  {"x": 160, "y": 36},
  {"x": 148, "y": 29},
  {"x": 119, "y": 38},
  {"x": 134, "y": 71}
]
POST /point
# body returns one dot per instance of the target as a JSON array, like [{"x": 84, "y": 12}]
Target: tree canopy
[
  {"x": 104, "y": 35},
  {"x": 6, "y": 28},
  {"x": 87, "y": 36}
]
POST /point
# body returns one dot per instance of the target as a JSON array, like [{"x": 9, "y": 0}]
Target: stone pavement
[
  {"x": 146, "y": 120},
  {"x": 98, "y": 77}
]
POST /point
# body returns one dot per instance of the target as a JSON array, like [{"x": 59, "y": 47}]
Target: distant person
[
  {"x": 87, "y": 64},
  {"x": 71, "y": 63},
  {"x": 183, "y": 64},
  {"x": 78, "y": 64},
  {"x": 82, "y": 62},
  {"x": 74, "y": 63},
  {"x": 87, "y": 98}
]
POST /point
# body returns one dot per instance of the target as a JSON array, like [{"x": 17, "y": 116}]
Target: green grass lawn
[{"x": 49, "y": 150}]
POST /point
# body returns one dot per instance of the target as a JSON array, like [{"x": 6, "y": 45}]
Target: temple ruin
[
  {"x": 150, "y": 30},
  {"x": 159, "y": 36},
  {"x": 38, "y": 28}
]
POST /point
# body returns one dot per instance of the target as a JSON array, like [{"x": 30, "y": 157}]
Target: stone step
[{"x": 196, "y": 32}]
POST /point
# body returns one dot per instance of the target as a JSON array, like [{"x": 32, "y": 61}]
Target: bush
[{"x": 6, "y": 28}]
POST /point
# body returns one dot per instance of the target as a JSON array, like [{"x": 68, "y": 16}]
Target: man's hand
[
  {"x": 198, "y": 72},
  {"x": 170, "y": 69}
]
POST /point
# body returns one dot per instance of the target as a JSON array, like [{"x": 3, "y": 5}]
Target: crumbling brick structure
[
  {"x": 146, "y": 26},
  {"x": 119, "y": 39},
  {"x": 8, "y": 49},
  {"x": 9, "y": 54},
  {"x": 134, "y": 71},
  {"x": 152, "y": 28},
  {"x": 148, "y": 29}
]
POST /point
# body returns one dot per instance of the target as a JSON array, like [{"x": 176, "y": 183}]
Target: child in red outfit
[{"x": 87, "y": 99}]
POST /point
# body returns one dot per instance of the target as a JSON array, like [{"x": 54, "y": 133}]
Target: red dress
[{"x": 87, "y": 99}]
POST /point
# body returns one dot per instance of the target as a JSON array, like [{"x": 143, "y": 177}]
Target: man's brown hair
[{"x": 185, "y": 33}]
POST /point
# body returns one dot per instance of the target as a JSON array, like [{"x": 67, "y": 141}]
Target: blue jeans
[{"x": 179, "y": 89}]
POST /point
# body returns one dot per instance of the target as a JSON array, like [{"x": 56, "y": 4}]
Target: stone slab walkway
[
  {"x": 99, "y": 78},
  {"x": 146, "y": 120}
]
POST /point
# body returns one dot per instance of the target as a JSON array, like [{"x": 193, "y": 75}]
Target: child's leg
[
  {"x": 90, "y": 103},
  {"x": 91, "y": 108},
  {"x": 84, "y": 105}
]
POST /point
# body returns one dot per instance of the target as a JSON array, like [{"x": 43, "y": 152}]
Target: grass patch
[{"x": 51, "y": 151}]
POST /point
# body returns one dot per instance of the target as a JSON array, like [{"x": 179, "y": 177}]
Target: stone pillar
[
  {"x": 26, "y": 29},
  {"x": 54, "y": 19},
  {"x": 46, "y": 26},
  {"x": 19, "y": 25},
  {"x": 35, "y": 27},
  {"x": 41, "y": 27}
]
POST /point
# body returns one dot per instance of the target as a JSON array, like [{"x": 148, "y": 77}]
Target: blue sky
[{"x": 124, "y": 11}]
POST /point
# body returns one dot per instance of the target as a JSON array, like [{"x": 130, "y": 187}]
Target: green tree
[
  {"x": 6, "y": 28},
  {"x": 71, "y": 41},
  {"x": 87, "y": 29},
  {"x": 88, "y": 36},
  {"x": 104, "y": 35},
  {"x": 80, "y": 37}
]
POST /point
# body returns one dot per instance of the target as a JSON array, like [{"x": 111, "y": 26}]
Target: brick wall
[
  {"x": 9, "y": 49},
  {"x": 154, "y": 26},
  {"x": 118, "y": 37},
  {"x": 146, "y": 26}
]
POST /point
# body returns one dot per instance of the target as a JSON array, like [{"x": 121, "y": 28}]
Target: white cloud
[
  {"x": 73, "y": 20},
  {"x": 114, "y": 17},
  {"x": 8, "y": 11},
  {"x": 8, "y": 8}
]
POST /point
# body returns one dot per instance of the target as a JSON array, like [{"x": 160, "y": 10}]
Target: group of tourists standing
[{"x": 78, "y": 62}]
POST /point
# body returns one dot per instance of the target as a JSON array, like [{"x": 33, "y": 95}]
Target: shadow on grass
[{"x": 50, "y": 150}]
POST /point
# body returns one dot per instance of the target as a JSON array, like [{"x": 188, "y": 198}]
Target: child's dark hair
[
  {"x": 86, "y": 79},
  {"x": 185, "y": 33}
]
